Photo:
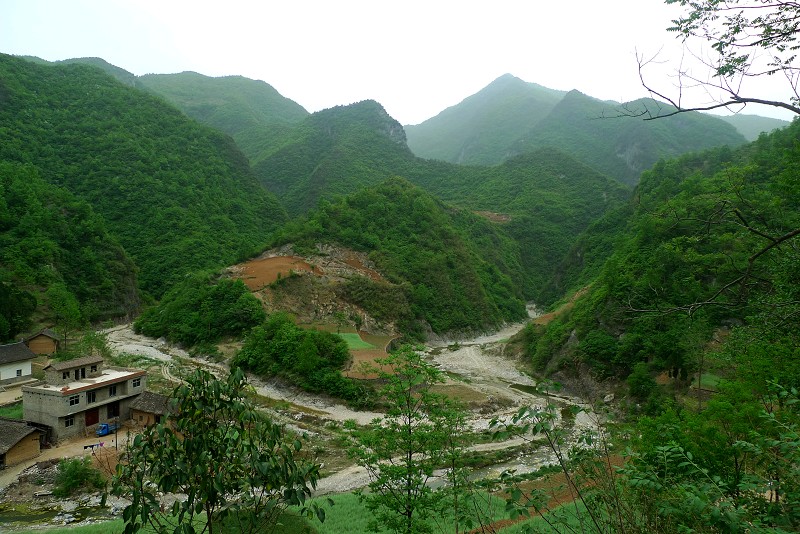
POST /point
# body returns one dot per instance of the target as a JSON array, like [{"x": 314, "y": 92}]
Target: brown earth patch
[
  {"x": 494, "y": 216},
  {"x": 564, "y": 308},
  {"x": 261, "y": 272}
]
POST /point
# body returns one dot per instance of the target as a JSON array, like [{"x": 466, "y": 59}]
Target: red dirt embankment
[{"x": 261, "y": 272}]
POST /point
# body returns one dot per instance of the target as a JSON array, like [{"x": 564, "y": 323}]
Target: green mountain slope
[
  {"x": 179, "y": 196},
  {"x": 624, "y": 147},
  {"x": 250, "y": 111},
  {"x": 713, "y": 242},
  {"x": 511, "y": 117},
  {"x": 335, "y": 152},
  {"x": 456, "y": 269},
  {"x": 47, "y": 238},
  {"x": 481, "y": 128},
  {"x": 546, "y": 198},
  {"x": 751, "y": 126}
]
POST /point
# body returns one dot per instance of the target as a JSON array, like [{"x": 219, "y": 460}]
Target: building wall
[
  {"x": 8, "y": 371},
  {"x": 143, "y": 418},
  {"x": 27, "y": 448},
  {"x": 52, "y": 407},
  {"x": 42, "y": 345}
]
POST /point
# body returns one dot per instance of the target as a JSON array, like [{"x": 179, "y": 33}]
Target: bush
[{"x": 77, "y": 473}]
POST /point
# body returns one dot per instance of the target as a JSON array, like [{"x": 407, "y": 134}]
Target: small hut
[{"x": 43, "y": 342}]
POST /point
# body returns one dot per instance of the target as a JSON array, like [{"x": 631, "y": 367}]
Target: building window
[
  {"x": 19, "y": 372},
  {"x": 112, "y": 410},
  {"x": 91, "y": 396},
  {"x": 112, "y": 391},
  {"x": 65, "y": 375},
  {"x": 93, "y": 369},
  {"x": 137, "y": 382},
  {"x": 69, "y": 421},
  {"x": 74, "y": 400}
]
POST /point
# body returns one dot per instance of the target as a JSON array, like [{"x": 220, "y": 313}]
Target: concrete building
[
  {"x": 15, "y": 362},
  {"x": 78, "y": 394},
  {"x": 18, "y": 442}
]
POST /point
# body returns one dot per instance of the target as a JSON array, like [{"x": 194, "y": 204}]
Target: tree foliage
[
  {"x": 199, "y": 310},
  {"x": 748, "y": 39},
  {"x": 232, "y": 463},
  {"x": 419, "y": 434},
  {"x": 177, "y": 195},
  {"x": 312, "y": 359}
]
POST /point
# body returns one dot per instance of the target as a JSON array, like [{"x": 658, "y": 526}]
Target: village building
[
  {"x": 78, "y": 394},
  {"x": 43, "y": 342},
  {"x": 18, "y": 442},
  {"x": 15, "y": 362},
  {"x": 150, "y": 408}
]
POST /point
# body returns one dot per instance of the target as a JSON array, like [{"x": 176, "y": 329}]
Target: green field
[
  {"x": 12, "y": 411},
  {"x": 354, "y": 342}
]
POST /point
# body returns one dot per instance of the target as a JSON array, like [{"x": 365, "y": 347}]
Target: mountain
[
  {"x": 481, "y": 128},
  {"x": 510, "y": 117},
  {"x": 751, "y": 126},
  {"x": 545, "y": 198},
  {"x": 457, "y": 269},
  {"x": 710, "y": 245},
  {"x": 177, "y": 195},
  {"x": 623, "y": 147},
  {"x": 50, "y": 239},
  {"x": 335, "y": 152},
  {"x": 250, "y": 111}
]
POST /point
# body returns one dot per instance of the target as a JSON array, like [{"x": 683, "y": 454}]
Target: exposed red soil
[
  {"x": 261, "y": 272},
  {"x": 547, "y": 317}
]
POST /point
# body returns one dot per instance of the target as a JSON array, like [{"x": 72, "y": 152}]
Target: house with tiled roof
[
  {"x": 18, "y": 442},
  {"x": 43, "y": 342},
  {"x": 78, "y": 394},
  {"x": 15, "y": 362},
  {"x": 150, "y": 408}
]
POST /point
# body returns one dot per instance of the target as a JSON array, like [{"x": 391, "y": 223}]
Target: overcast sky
[{"x": 414, "y": 57}]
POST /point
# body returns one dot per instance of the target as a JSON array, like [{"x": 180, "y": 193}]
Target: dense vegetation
[
  {"x": 711, "y": 245},
  {"x": 548, "y": 197},
  {"x": 456, "y": 268},
  {"x": 49, "y": 238},
  {"x": 480, "y": 129},
  {"x": 510, "y": 117},
  {"x": 312, "y": 359},
  {"x": 179, "y": 196},
  {"x": 201, "y": 311},
  {"x": 250, "y": 111}
]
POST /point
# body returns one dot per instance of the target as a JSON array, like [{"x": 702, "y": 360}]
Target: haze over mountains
[{"x": 540, "y": 164}]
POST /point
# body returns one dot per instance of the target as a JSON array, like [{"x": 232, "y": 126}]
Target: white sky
[{"x": 414, "y": 57}]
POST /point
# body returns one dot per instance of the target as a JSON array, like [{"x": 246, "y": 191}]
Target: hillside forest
[{"x": 666, "y": 252}]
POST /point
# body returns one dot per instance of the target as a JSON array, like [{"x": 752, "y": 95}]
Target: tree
[
  {"x": 748, "y": 38},
  {"x": 400, "y": 451},
  {"x": 66, "y": 310},
  {"x": 233, "y": 464}
]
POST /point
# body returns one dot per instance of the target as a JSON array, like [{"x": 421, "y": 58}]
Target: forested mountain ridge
[
  {"x": 481, "y": 129},
  {"x": 458, "y": 271},
  {"x": 178, "y": 196},
  {"x": 335, "y": 152},
  {"x": 52, "y": 244},
  {"x": 710, "y": 244},
  {"x": 250, "y": 111},
  {"x": 546, "y": 197},
  {"x": 510, "y": 117}
]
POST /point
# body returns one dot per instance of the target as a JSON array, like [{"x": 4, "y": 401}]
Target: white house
[{"x": 15, "y": 362}]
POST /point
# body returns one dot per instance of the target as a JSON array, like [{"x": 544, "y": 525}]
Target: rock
[{"x": 608, "y": 398}]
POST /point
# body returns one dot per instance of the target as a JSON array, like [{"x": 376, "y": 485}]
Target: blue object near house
[{"x": 104, "y": 429}]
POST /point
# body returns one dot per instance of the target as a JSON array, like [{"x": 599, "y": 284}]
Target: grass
[
  {"x": 12, "y": 411},
  {"x": 354, "y": 342},
  {"x": 289, "y": 523}
]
